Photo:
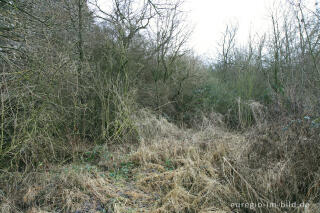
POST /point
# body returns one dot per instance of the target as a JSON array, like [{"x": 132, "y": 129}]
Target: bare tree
[{"x": 227, "y": 47}]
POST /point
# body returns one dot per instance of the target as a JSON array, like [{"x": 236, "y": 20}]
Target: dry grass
[
  {"x": 71, "y": 189},
  {"x": 186, "y": 171},
  {"x": 175, "y": 170}
]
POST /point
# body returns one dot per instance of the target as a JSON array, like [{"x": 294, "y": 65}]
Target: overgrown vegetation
[{"x": 107, "y": 110}]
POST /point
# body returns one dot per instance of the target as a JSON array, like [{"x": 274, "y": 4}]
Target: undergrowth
[{"x": 206, "y": 169}]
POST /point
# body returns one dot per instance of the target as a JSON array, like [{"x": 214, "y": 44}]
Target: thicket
[
  {"x": 279, "y": 69},
  {"x": 81, "y": 85},
  {"x": 72, "y": 72}
]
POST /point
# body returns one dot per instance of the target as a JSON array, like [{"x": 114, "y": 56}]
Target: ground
[{"x": 170, "y": 169}]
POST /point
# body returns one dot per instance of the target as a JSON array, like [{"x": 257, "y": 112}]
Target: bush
[{"x": 233, "y": 96}]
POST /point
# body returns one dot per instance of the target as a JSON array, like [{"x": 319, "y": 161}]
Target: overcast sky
[{"x": 209, "y": 18}]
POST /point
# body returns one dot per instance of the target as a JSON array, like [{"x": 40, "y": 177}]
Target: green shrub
[{"x": 231, "y": 96}]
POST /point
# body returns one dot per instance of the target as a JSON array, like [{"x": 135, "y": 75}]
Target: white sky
[{"x": 210, "y": 18}]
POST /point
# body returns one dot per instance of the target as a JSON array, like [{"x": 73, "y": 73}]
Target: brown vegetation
[{"x": 108, "y": 111}]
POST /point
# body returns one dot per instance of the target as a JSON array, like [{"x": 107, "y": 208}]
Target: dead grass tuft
[
  {"x": 178, "y": 170},
  {"x": 185, "y": 170}
]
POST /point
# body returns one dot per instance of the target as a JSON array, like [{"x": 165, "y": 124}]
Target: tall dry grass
[{"x": 206, "y": 169}]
